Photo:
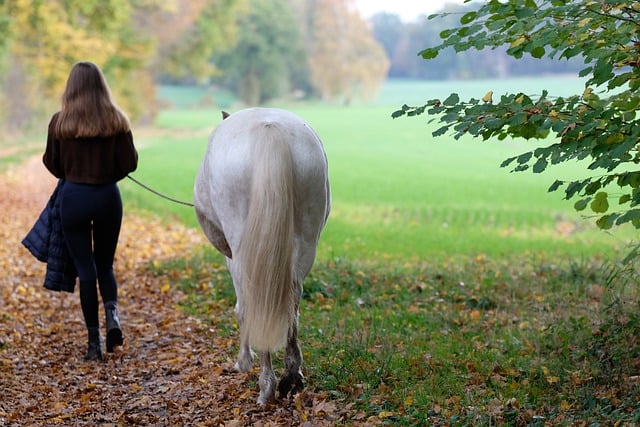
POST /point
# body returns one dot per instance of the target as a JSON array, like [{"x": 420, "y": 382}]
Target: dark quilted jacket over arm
[{"x": 46, "y": 242}]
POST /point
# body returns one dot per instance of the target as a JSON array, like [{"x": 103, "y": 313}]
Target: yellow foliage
[
  {"x": 517, "y": 42},
  {"x": 565, "y": 406},
  {"x": 584, "y": 22},
  {"x": 343, "y": 43},
  {"x": 46, "y": 38}
]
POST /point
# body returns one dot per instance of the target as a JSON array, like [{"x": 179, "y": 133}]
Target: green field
[{"x": 398, "y": 193}]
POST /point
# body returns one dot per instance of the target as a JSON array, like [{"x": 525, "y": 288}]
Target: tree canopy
[
  {"x": 600, "y": 125},
  {"x": 343, "y": 43},
  {"x": 133, "y": 41},
  {"x": 42, "y": 36},
  {"x": 261, "y": 50},
  {"x": 314, "y": 48},
  {"x": 269, "y": 51}
]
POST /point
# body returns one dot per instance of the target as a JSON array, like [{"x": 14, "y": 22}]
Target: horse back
[{"x": 226, "y": 173}]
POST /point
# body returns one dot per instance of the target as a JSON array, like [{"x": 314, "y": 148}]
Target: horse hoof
[
  {"x": 265, "y": 400},
  {"x": 290, "y": 384},
  {"x": 243, "y": 366},
  {"x": 267, "y": 389},
  {"x": 244, "y": 363}
]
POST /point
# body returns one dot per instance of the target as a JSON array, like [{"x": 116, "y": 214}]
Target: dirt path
[{"x": 172, "y": 371}]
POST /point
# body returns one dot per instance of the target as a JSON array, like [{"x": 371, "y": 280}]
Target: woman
[{"x": 90, "y": 148}]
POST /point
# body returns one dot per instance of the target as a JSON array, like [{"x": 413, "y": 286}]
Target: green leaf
[
  {"x": 600, "y": 125},
  {"x": 445, "y": 34},
  {"x": 632, "y": 215},
  {"x": 507, "y": 162},
  {"x": 468, "y": 17},
  {"x": 452, "y": 100},
  {"x": 524, "y": 158},
  {"x": 517, "y": 119},
  {"x": 523, "y": 13},
  {"x": 573, "y": 188},
  {"x": 602, "y": 72},
  {"x": 538, "y": 52},
  {"x": 401, "y": 112},
  {"x": 557, "y": 184},
  {"x": 441, "y": 131},
  {"x": 540, "y": 165},
  {"x": 397, "y": 113},
  {"x": 593, "y": 187},
  {"x": 600, "y": 204},
  {"x": 581, "y": 205},
  {"x": 606, "y": 222},
  {"x": 429, "y": 53},
  {"x": 585, "y": 71}
]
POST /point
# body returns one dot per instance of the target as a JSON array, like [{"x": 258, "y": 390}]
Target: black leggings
[{"x": 91, "y": 218}]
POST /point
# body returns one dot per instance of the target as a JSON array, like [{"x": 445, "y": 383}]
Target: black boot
[
  {"x": 94, "y": 352},
  {"x": 114, "y": 332}
]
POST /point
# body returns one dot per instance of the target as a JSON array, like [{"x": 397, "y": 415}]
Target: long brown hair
[{"x": 87, "y": 108}]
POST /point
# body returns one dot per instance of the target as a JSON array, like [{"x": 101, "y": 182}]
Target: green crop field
[{"x": 398, "y": 193}]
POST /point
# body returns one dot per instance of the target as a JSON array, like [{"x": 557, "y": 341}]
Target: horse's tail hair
[{"x": 265, "y": 252}]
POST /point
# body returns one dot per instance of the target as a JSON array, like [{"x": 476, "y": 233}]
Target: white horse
[{"x": 262, "y": 198}]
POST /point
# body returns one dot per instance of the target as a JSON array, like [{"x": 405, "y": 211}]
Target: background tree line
[
  {"x": 403, "y": 41},
  {"x": 260, "y": 49}
]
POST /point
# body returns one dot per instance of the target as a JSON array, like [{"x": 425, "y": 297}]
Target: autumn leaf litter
[{"x": 172, "y": 370}]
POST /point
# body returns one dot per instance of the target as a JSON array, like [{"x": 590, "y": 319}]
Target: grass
[
  {"x": 481, "y": 342},
  {"x": 398, "y": 193}
]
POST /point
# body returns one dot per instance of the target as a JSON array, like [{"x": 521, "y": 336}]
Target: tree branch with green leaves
[{"x": 600, "y": 125}]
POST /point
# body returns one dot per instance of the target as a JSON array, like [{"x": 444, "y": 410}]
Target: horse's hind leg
[
  {"x": 245, "y": 356},
  {"x": 292, "y": 380},
  {"x": 267, "y": 379}
]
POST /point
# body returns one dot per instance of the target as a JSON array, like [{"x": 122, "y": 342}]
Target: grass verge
[{"x": 477, "y": 341}]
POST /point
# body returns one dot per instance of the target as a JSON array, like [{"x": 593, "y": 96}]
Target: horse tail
[{"x": 265, "y": 252}]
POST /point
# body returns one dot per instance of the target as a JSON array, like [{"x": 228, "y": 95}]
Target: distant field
[
  {"x": 415, "y": 92},
  {"x": 398, "y": 193}
]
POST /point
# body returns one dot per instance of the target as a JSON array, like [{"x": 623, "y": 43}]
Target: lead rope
[{"x": 158, "y": 193}]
